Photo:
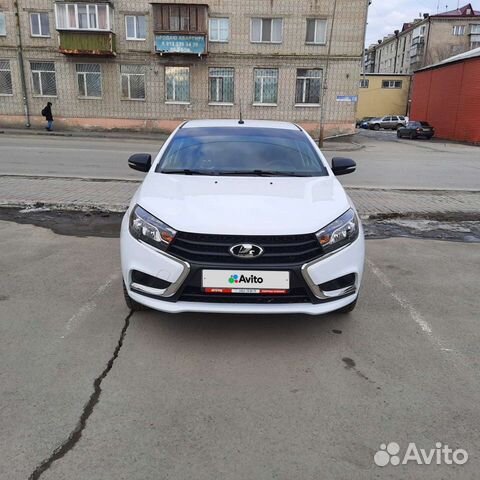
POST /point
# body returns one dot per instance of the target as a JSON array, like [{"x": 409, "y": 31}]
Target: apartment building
[
  {"x": 425, "y": 41},
  {"x": 140, "y": 65}
]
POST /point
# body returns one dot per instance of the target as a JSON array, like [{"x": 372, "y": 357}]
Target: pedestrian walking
[{"x": 47, "y": 113}]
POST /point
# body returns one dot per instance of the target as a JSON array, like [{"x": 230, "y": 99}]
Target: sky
[{"x": 385, "y": 16}]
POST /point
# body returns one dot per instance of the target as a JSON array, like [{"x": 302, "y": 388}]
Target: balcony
[
  {"x": 180, "y": 29},
  {"x": 87, "y": 43},
  {"x": 85, "y": 28},
  {"x": 418, "y": 40}
]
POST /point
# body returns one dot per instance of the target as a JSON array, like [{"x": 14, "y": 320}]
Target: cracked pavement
[{"x": 89, "y": 391}]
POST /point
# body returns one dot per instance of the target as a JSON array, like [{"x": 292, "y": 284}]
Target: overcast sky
[{"x": 385, "y": 16}]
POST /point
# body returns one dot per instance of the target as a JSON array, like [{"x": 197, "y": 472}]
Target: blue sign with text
[
  {"x": 347, "y": 98},
  {"x": 194, "y": 44}
]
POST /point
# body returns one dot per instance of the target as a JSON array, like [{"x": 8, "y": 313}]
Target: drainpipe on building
[
  {"x": 379, "y": 56},
  {"x": 396, "y": 52},
  {"x": 22, "y": 67},
  {"x": 325, "y": 80},
  {"x": 425, "y": 51}
]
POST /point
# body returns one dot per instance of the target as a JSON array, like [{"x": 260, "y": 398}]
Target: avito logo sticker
[{"x": 238, "y": 279}]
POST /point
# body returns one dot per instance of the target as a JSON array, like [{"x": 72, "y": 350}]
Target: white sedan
[{"x": 241, "y": 217}]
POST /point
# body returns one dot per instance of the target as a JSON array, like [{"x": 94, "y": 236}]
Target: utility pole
[
  {"x": 325, "y": 80},
  {"x": 21, "y": 66}
]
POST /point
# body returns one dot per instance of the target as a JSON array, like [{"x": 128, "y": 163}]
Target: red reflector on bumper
[{"x": 245, "y": 290}]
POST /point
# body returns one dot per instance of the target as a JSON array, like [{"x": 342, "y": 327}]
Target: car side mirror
[
  {"x": 343, "y": 166},
  {"x": 140, "y": 161}
]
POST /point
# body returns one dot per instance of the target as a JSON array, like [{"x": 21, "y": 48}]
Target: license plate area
[{"x": 247, "y": 282}]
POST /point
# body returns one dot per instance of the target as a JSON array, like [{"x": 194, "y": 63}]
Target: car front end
[
  {"x": 260, "y": 242},
  {"x": 199, "y": 273}
]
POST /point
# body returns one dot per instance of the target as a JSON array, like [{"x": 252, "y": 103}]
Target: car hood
[{"x": 243, "y": 205}]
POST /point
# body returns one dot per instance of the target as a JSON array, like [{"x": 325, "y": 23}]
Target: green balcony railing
[{"x": 87, "y": 43}]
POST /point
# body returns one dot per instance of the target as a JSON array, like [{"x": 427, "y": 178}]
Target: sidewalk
[
  {"x": 115, "y": 195},
  {"x": 127, "y": 135},
  {"x": 343, "y": 143}
]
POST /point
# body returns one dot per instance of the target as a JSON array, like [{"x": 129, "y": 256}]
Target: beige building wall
[
  {"x": 111, "y": 111},
  {"x": 376, "y": 101},
  {"x": 443, "y": 44}
]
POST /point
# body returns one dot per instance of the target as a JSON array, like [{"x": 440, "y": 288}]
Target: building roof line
[{"x": 470, "y": 54}]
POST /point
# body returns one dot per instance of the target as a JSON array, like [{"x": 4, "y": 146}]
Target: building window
[
  {"x": 82, "y": 16},
  {"x": 266, "y": 85},
  {"x": 309, "y": 84},
  {"x": 89, "y": 79},
  {"x": 179, "y": 18},
  {"x": 221, "y": 85},
  {"x": 475, "y": 29},
  {"x": 219, "y": 29},
  {"x": 43, "y": 79},
  {"x": 136, "y": 27},
  {"x": 39, "y": 25},
  {"x": 177, "y": 80},
  {"x": 5, "y": 78},
  {"x": 459, "y": 30},
  {"x": 266, "y": 30},
  {"x": 364, "y": 83},
  {"x": 133, "y": 82},
  {"x": 316, "y": 31},
  {"x": 3, "y": 25},
  {"x": 392, "y": 84}
]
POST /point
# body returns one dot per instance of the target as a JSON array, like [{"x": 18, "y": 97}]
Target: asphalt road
[
  {"x": 386, "y": 161},
  {"x": 383, "y": 161},
  {"x": 89, "y": 392}
]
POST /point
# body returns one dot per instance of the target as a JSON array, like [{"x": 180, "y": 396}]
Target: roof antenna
[{"x": 241, "y": 122}]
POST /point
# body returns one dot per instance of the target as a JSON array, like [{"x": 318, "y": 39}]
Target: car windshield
[
  {"x": 424, "y": 124},
  {"x": 241, "y": 151}
]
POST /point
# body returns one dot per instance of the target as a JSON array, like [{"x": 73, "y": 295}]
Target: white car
[{"x": 241, "y": 217}]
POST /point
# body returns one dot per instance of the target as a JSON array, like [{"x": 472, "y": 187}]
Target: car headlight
[
  {"x": 149, "y": 229},
  {"x": 343, "y": 231}
]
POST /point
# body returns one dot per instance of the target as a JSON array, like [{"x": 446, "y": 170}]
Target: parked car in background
[
  {"x": 363, "y": 123},
  {"x": 391, "y": 122},
  {"x": 415, "y": 130}
]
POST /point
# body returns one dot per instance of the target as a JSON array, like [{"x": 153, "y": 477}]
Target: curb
[
  {"x": 89, "y": 134},
  {"x": 131, "y": 135}
]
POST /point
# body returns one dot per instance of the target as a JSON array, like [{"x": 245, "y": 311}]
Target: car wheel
[
  {"x": 376, "y": 127},
  {"x": 132, "y": 304},
  {"x": 349, "y": 308},
  {"x": 398, "y": 126}
]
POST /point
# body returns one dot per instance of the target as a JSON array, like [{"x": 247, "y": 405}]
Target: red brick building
[{"x": 447, "y": 95}]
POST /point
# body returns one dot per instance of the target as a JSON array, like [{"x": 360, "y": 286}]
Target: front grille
[
  {"x": 195, "y": 294},
  {"x": 214, "y": 249}
]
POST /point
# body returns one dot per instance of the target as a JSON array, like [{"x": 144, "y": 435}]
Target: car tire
[
  {"x": 132, "y": 304},
  {"x": 398, "y": 126},
  {"x": 376, "y": 127},
  {"x": 348, "y": 308}
]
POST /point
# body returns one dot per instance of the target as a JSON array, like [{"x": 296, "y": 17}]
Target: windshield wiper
[
  {"x": 263, "y": 173},
  {"x": 187, "y": 171}
]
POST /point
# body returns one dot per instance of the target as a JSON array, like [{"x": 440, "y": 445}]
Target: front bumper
[{"x": 138, "y": 256}]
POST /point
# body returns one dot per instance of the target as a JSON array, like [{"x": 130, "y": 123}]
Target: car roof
[{"x": 234, "y": 123}]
